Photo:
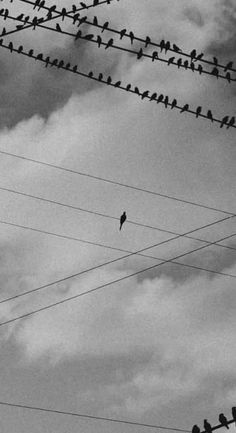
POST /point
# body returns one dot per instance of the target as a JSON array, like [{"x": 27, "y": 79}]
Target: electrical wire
[
  {"x": 114, "y": 182},
  {"x": 144, "y": 41},
  {"x": 95, "y": 289},
  {"x": 96, "y": 213},
  {"x": 144, "y": 95},
  {"x": 139, "y": 54},
  {"x": 92, "y": 417}
]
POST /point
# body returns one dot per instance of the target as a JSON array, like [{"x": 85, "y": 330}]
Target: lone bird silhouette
[
  {"x": 122, "y": 219},
  {"x": 196, "y": 429},
  {"x": 223, "y": 420},
  {"x": 234, "y": 413},
  {"x": 207, "y": 426}
]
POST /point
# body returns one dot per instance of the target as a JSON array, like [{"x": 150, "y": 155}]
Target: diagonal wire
[
  {"x": 95, "y": 289},
  {"x": 92, "y": 417},
  {"x": 150, "y": 42},
  {"x": 113, "y": 182},
  {"x": 136, "y": 53},
  {"x": 80, "y": 209},
  {"x": 145, "y": 94}
]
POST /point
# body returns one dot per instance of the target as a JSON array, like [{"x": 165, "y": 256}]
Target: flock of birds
[{"x": 222, "y": 419}]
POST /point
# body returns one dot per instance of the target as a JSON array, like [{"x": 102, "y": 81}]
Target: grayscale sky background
[{"x": 158, "y": 348}]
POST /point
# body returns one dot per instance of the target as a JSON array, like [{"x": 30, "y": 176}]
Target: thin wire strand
[
  {"x": 92, "y": 417},
  {"x": 181, "y": 52},
  {"x": 95, "y": 289},
  {"x": 118, "y": 47},
  {"x": 113, "y": 182},
  {"x": 225, "y": 121},
  {"x": 96, "y": 213}
]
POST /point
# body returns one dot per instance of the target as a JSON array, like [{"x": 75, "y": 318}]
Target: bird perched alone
[
  {"x": 234, "y": 413},
  {"x": 122, "y": 219},
  {"x": 207, "y": 426},
  {"x": 196, "y": 429},
  {"x": 223, "y": 420}
]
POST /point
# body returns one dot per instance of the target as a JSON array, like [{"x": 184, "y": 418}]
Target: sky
[{"x": 158, "y": 348}]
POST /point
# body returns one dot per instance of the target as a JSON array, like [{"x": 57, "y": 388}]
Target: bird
[
  {"x": 199, "y": 57},
  {"x": 224, "y": 121},
  {"x": 20, "y": 17},
  {"x": 207, "y": 426},
  {"x": 78, "y": 35},
  {"x": 173, "y": 104},
  {"x": 84, "y": 6},
  {"x": 89, "y": 37},
  {"x": 154, "y": 55},
  {"x": 100, "y": 76},
  {"x": 140, "y": 54},
  {"x": 196, "y": 429},
  {"x": 223, "y": 420},
  {"x": 47, "y": 60},
  {"x": 90, "y": 74},
  {"x": 185, "y": 108},
  {"x": 41, "y": 4},
  {"x": 209, "y": 115},
  {"x": 153, "y": 96},
  {"x": 198, "y": 111},
  {"x": 105, "y": 25},
  {"x": 30, "y": 53},
  {"x": 58, "y": 27},
  {"x": 228, "y": 77},
  {"x": 67, "y": 65},
  {"x": 10, "y": 46},
  {"x": 131, "y": 35},
  {"x": 36, "y": 3},
  {"x": 60, "y": 64},
  {"x": 109, "y": 80},
  {"x": 147, "y": 41},
  {"x": 215, "y": 61},
  {"x": 122, "y": 33},
  {"x": 26, "y": 19},
  {"x": 99, "y": 41},
  {"x": 176, "y": 48},
  {"x": 228, "y": 66},
  {"x": 52, "y": 8},
  {"x": 162, "y": 45},
  {"x": 200, "y": 69},
  {"x": 234, "y": 413},
  {"x": 95, "y": 21},
  {"x": 179, "y": 62},
  {"x": 95, "y": 2},
  {"x": 166, "y": 101},
  {"x": 231, "y": 122},
  {"x": 171, "y": 59},
  {"x": 54, "y": 62},
  {"x": 192, "y": 66},
  {"x": 63, "y": 13},
  {"x": 215, "y": 72},
  {"x": 193, "y": 54},
  {"x": 73, "y": 9},
  {"x": 20, "y": 49},
  {"x": 186, "y": 64},
  {"x": 109, "y": 43},
  {"x": 39, "y": 56},
  {"x": 136, "y": 89},
  {"x": 74, "y": 69},
  {"x": 6, "y": 14},
  {"x": 160, "y": 98},
  {"x": 167, "y": 46},
  {"x": 76, "y": 18},
  {"x": 82, "y": 20},
  {"x": 117, "y": 84},
  {"x": 145, "y": 94},
  {"x": 122, "y": 219},
  {"x": 128, "y": 87}
]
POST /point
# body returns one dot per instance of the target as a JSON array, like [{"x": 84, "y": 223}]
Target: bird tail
[{"x": 120, "y": 226}]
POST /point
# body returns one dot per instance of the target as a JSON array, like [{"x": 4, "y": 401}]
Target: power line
[
  {"x": 87, "y": 292},
  {"x": 147, "y": 41},
  {"x": 92, "y": 417},
  {"x": 59, "y": 15},
  {"x": 139, "y": 54},
  {"x": 144, "y": 95},
  {"x": 114, "y": 182},
  {"x": 57, "y": 203}
]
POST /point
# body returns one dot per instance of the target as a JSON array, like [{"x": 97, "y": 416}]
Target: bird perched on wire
[
  {"x": 207, "y": 426},
  {"x": 196, "y": 429},
  {"x": 234, "y": 413},
  {"x": 210, "y": 116},
  {"x": 223, "y": 420},
  {"x": 109, "y": 43},
  {"x": 231, "y": 122},
  {"x": 122, "y": 219},
  {"x": 185, "y": 108},
  {"x": 224, "y": 121},
  {"x": 198, "y": 111},
  {"x": 228, "y": 66}
]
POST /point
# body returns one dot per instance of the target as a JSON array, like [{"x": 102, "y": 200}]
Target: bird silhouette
[
  {"x": 171, "y": 59},
  {"x": 128, "y": 87},
  {"x": 52, "y": 8},
  {"x": 84, "y": 6},
  {"x": 186, "y": 64},
  {"x": 207, "y": 426},
  {"x": 82, "y": 20},
  {"x": 224, "y": 121},
  {"x": 30, "y": 53},
  {"x": 215, "y": 72},
  {"x": 95, "y": 2},
  {"x": 223, "y": 420},
  {"x": 136, "y": 89},
  {"x": 176, "y": 48},
  {"x": 90, "y": 74},
  {"x": 228, "y": 66},
  {"x": 117, "y": 84},
  {"x": 47, "y": 60},
  {"x": 166, "y": 101},
  {"x": 36, "y": 4},
  {"x": 153, "y": 96},
  {"x": 78, "y": 35},
  {"x": 73, "y": 9},
  {"x": 145, "y": 94},
  {"x": 20, "y": 49},
  {"x": 199, "y": 57},
  {"x": 20, "y": 17},
  {"x": 109, "y": 80},
  {"x": 63, "y": 13},
  {"x": 109, "y": 43},
  {"x": 58, "y": 27},
  {"x": 6, "y": 14},
  {"x": 162, "y": 45},
  {"x": 41, "y": 4},
  {"x": 131, "y": 35},
  {"x": 122, "y": 219},
  {"x": 147, "y": 41},
  {"x": 167, "y": 46},
  {"x": 54, "y": 62},
  {"x": 154, "y": 55},
  {"x": 60, "y": 64},
  {"x": 192, "y": 66},
  {"x": 173, "y": 104},
  {"x": 99, "y": 41},
  {"x": 122, "y": 33},
  {"x": 160, "y": 98},
  {"x": 89, "y": 37},
  {"x": 185, "y": 108},
  {"x": 95, "y": 21},
  {"x": 196, "y": 429},
  {"x": 209, "y": 115},
  {"x": 10, "y": 46},
  {"x": 231, "y": 122},
  {"x": 105, "y": 25},
  {"x": 100, "y": 76},
  {"x": 200, "y": 69},
  {"x": 228, "y": 77},
  {"x": 193, "y": 54},
  {"x": 215, "y": 61},
  {"x": 179, "y": 62},
  {"x": 75, "y": 68},
  {"x": 140, "y": 54},
  {"x": 234, "y": 413},
  {"x": 39, "y": 56},
  {"x": 67, "y": 65}
]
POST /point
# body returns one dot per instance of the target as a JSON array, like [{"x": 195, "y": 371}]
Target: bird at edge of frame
[{"x": 122, "y": 219}]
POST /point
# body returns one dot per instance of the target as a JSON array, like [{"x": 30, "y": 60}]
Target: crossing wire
[
  {"x": 114, "y": 182},
  {"x": 95, "y": 289},
  {"x": 138, "y": 54},
  {"x": 180, "y": 52},
  {"x": 144, "y": 94},
  {"x": 92, "y": 417},
  {"x": 96, "y": 213}
]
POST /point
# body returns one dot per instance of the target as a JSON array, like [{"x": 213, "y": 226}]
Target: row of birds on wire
[
  {"x": 222, "y": 419},
  {"x": 155, "y": 97},
  {"x": 154, "y": 56},
  {"x": 164, "y": 46}
]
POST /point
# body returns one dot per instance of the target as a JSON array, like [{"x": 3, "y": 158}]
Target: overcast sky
[{"x": 158, "y": 348}]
